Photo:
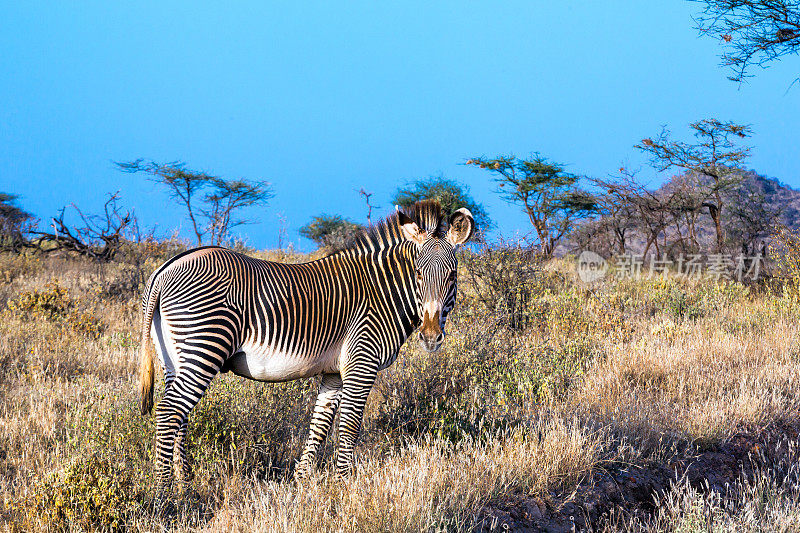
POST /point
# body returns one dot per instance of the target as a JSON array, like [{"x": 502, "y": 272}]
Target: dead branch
[{"x": 98, "y": 236}]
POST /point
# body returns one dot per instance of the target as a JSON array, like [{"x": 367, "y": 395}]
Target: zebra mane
[{"x": 427, "y": 214}]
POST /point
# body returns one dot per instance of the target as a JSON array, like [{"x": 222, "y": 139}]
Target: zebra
[{"x": 345, "y": 316}]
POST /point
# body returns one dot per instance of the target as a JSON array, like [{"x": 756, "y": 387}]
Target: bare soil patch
[{"x": 618, "y": 494}]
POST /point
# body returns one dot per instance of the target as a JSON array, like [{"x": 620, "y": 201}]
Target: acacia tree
[
  {"x": 752, "y": 32},
  {"x": 549, "y": 196},
  {"x": 629, "y": 208},
  {"x": 449, "y": 193},
  {"x": 329, "y": 230},
  {"x": 210, "y": 201},
  {"x": 713, "y": 163},
  {"x": 617, "y": 212},
  {"x": 15, "y": 223},
  {"x": 649, "y": 210},
  {"x": 228, "y": 196}
]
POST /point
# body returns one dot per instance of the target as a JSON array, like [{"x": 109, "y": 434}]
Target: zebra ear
[
  {"x": 409, "y": 228},
  {"x": 462, "y": 226}
]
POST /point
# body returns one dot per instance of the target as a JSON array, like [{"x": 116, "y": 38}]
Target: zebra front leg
[
  {"x": 357, "y": 383},
  {"x": 324, "y": 412}
]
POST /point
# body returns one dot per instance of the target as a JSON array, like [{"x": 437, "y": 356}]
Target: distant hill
[
  {"x": 758, "y": 197},
  {"x": 777, "y": 195},
  {"x": 749, "y": 212}
]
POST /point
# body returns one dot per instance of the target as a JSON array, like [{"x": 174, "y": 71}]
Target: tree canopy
[
  {"x": 450, "y": 194},
  {"x": 547, "y": 193},
  {"x": 751, "y": 32},
  {"x": 213, "y": 217},
  {"x": 329, "y": 230},
  {"x": 714, "y": 163}
]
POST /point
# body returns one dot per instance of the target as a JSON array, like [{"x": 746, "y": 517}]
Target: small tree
[
  {"x": 212, "y": 213},
  {"x": 618, "y": 213},
  {"x": 15, "y": 223},
  {"x": 548, "y": 195},
  {"x": 752, "y": 32},
  {"x": 450, "y": 194},
  {"x": 751, "y": 218},
  {"x": 366, "y": 196},
  {"x": 649, "y": 210},
  {"x": 714, "y": 163},
  {"x": 329, "y": 230},
  {"x": 685, "y": 205}
]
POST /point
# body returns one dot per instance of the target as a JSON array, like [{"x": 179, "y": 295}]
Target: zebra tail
[
  {"x": 146, "y": 348},
  {"x": 146, "y": 374}
]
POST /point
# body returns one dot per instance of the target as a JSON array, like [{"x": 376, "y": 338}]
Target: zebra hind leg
[
  {"x": 183, "y": 469},
  {"x": 357, "y": 383},
  {"x": 171, "y": 421},
  {"x": 321, "y": 421}
]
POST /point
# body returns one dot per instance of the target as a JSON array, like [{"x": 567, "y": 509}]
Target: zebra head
[{"x": 436, "y": 271}]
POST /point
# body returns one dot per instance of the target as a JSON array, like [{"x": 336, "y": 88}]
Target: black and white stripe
[{"x": 344, "y": 316}]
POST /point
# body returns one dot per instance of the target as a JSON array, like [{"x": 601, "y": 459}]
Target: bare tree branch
[
  {"x": 99, "y": 236},
  {"x": 752, "y": 32}
]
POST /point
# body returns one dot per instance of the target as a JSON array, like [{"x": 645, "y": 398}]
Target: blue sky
[{"x": 322, "y": 98}]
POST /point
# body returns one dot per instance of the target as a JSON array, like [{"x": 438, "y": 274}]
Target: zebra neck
[{"x": 390, "y": 275}]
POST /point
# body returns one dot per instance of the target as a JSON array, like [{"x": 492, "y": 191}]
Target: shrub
[
  {"x": 427, "y": 398},
  {"x": 503, "y": 281},
  {"x": 489, "y": 380},
  {"x": 785, "y": 248},
  {"x": 111, "y": 423},
  {"x": 51, "y": 303},
  {"x": 91, "y": 493},
  {"x": 678, "y": 298},
  {"x": 55, "y": 304},
  {"x": 124, "y": 285},
  {"x": 253, "y": 427},
  {"x": 13, "y": 266},
  {"x": 680, "y": 305}
]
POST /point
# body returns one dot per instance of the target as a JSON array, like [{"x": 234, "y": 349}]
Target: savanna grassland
[{"x": 546, "y": 390}]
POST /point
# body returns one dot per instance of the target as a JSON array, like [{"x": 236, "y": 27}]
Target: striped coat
[{"x": 345, "y": 317}]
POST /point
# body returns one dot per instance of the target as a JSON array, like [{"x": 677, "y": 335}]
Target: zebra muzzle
[{"x": 431, "y": 335}]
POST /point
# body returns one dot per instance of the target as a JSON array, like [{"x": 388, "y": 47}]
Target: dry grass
[
  {"x": 426, "y": 485},
  {"x": 767, "y": 502},
  {"x": 619, "y": 371},
  {"x": 701, "y": 379}
]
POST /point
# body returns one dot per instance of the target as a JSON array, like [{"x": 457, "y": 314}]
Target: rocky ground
[{"x": 619, "y": 494}]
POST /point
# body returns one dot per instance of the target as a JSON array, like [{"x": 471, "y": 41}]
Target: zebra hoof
[
  {"x": 303, "y": 472},
  {"x": 164, "y": 508}
]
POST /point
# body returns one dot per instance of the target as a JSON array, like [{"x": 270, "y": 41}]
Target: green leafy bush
[
  {"x": 253, "y": 427},
  {"x": 92, "y": 493},
  {"x": 54, "y": 303}
]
